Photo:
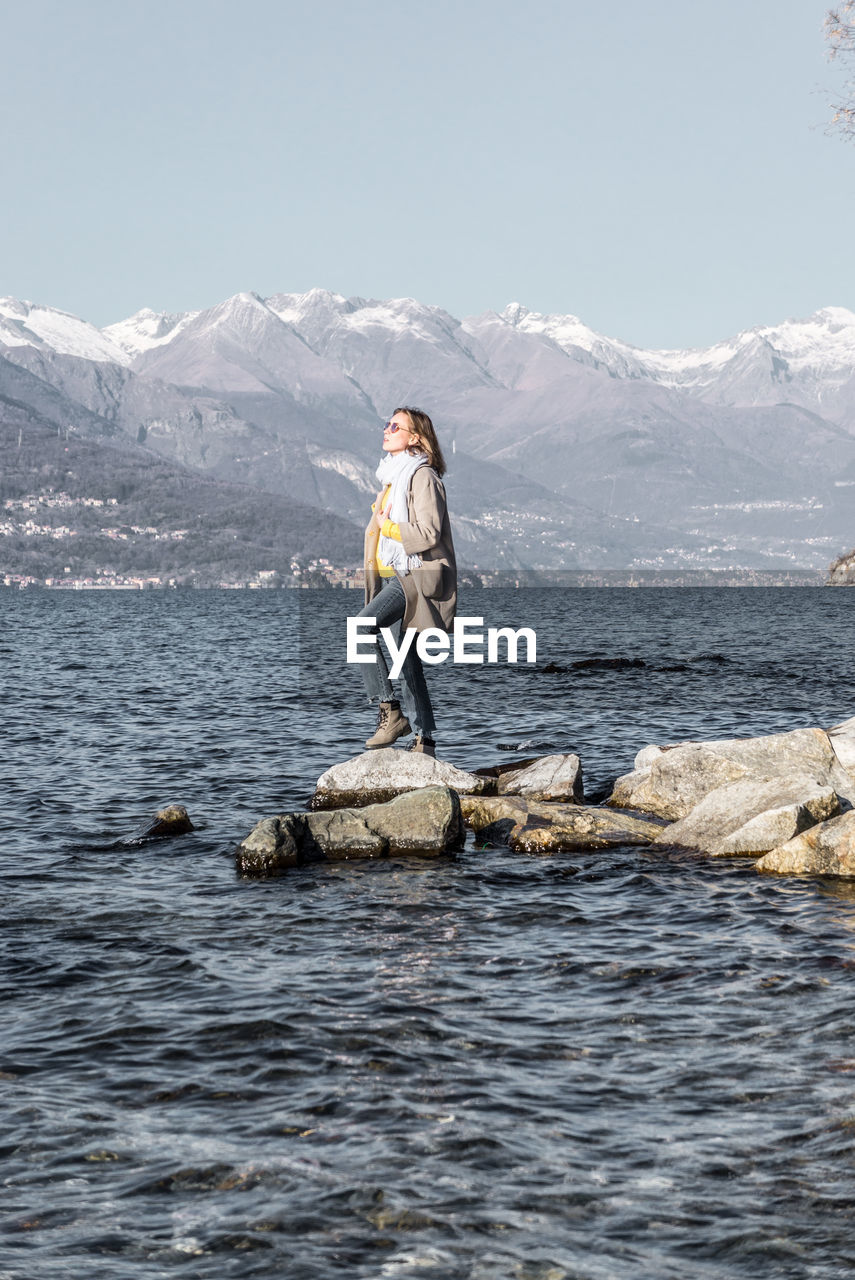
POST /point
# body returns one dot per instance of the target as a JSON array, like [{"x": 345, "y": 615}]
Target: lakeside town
[
  {"x": 320, "y": 574},
  {"x": 123, "y": 556},
  {"x": 316, "y": 573}
]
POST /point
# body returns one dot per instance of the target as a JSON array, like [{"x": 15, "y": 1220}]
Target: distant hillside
[{"x": 226, "y": 530}]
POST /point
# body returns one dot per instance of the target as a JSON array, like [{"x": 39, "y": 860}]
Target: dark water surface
[{"x": 621, "y": 1064}]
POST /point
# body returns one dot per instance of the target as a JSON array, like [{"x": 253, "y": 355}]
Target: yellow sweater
[{"x": 389, "y": 530}]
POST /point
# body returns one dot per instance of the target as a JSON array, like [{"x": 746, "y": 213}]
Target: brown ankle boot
[
  {"x": 390, "y": 726},
  {"x": 426, "y": 746}
]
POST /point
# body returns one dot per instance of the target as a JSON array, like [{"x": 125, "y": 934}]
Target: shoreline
[{"x": 486, "y": 580}]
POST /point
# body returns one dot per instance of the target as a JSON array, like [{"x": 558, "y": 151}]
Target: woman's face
[{"x": 398, "y": 441}]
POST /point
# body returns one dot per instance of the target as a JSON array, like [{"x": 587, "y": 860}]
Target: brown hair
[{"x": 423, "y": 429}]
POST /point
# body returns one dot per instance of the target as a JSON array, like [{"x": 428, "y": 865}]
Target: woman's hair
[{"x": 423, "y": 428}]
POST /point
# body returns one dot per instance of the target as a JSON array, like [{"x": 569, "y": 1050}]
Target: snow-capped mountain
[
  {"x": 809, "y": 362},
  {"x": 26, "y": 324},
  {"x": 400, "y": 345},
  {"x": 570, "y": 448}
]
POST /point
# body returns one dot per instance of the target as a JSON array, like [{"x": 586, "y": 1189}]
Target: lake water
[{"x": 614, "y": 1064}]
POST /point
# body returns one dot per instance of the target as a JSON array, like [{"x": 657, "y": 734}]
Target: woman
[{"x": 410, "y": 571}]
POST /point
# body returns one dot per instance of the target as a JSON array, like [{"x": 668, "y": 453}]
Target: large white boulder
[
  {"x": 751, "y": 816},
  {"x": 670, "y": 783},
  {"x": 376, "y": 776}
]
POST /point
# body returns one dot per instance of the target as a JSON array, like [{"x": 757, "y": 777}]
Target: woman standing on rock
[{"x": 410, "y": 571}]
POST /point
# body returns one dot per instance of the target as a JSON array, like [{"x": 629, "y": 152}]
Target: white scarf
[{"x": 397, "y": 469}]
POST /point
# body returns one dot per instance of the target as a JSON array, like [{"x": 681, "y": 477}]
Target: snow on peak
[
  {"x": 821, "y": 347},
  {"x": 397, "y": 315},
  {"x": 827, "y": 337},
  {"x": 240, "y": 307},
  {"x": 514, "y": 313},
  {"x": 147, "y": 329},
  {"x": 249, "y": 298},
  {"x": 319, "y": 312},
  {"x": 27, "y": 324},
  {"x": 566, "y": 331},
  {"x": 293, "y": 308},
  {"x": 834, "y": 316}
]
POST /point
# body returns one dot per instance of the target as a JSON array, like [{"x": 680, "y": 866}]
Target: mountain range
[{"x": 566, "y": 448}]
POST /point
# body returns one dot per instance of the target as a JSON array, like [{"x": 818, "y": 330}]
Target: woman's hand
[{"x": 381, "y": 515}]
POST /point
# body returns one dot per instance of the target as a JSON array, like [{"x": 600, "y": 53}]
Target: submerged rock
[
  {"x": 426, "y": 821},
  {"x": 826, "y": 850},
  {"x": 377, "y": 776},
  {"x": 173, "y": 820},
  {"x": 672, "y": 781},
  {"x": 530, "y": 826},
  {"x": 751, "y": 816}
]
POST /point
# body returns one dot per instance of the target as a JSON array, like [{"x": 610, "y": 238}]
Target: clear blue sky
[{"x": 661, "y": 170}]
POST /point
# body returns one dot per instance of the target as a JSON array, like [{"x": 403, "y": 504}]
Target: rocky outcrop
[
  {"x": 426, "y": 821},
  {"x": 841, "y": 573},
  {"x": 751, "y": 816},
  {"x": 530, "y": 826},
  {"x": 377, "y": 776},
  {"x": 669, "y": 782},
  {"x": 781, "y": 797},
  {"x": 826, "y": 850}
]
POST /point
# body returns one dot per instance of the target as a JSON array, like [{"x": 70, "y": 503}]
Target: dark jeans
[{"x": 388, "y": 608}]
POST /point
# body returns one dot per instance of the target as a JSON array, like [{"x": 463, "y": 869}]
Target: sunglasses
[{"x": 393, "y": 427}]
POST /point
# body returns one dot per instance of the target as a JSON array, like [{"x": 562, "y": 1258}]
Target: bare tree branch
[{"x": 839, "y": 27}]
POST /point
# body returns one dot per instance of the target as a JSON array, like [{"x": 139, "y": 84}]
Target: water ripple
[{"x": 622, "y": 1063}]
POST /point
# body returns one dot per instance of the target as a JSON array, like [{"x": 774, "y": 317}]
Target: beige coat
[{"x": 431, "y": 591}]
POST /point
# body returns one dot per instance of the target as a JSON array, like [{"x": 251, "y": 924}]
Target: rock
[
  {"x": 171, "y": 821},
  {"x": 424, "y": 821},
  {"x": 841, "y": 572},
  {"x": 751, "y": 816},
  {"x": 530, "y": 826},
  {"x": 647, "y": 755},
  {"x": 479, "y": 811},
  {"x": 427, "y": 821},
  {"x": 275, "y": 844},
  {"x": 579, "y": 827},
  {"x": 675, "y": 781},
  {"x": 842, "y": 739},
  {"x": 377, "y": 776},
  {"x": 679, "y": 777},
  {"x": 825, "y": 850},
  {"x": 556, "y": 777}
]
